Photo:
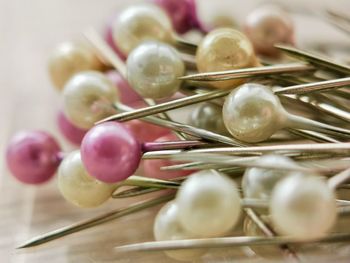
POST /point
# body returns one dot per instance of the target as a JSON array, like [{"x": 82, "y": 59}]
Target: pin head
[
  {"x": 33, "y": 156},
  {"x": 69, "y": 130}
]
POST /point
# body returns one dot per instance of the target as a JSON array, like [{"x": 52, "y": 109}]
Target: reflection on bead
[
  {"x": 259, "y": 182},
  {"x": 267, "y": 26},
  {"x": 69, "y": 130},
  {"x": 303, "y": 207},
  {"x": 225, "y": 49},
  {"x": 139, "y": 23},
  {"x": 69, "y": 59},
  {"x": 167, "y": 227},
  {"x": 208, "y": 116},
  {"x": 208, "y": 203},
  {"x": 252, "y": 113},
  {"x": 110, "y": 152},
  {"x": 87, "y": 98},
  {"x": 153, "y": 69},
  {"x": 78, "y": 187},
  {"x": 33, "y": 156}
]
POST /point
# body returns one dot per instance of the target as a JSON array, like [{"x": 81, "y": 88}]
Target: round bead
[
  {"x": 139, "y": 23},
  {"x": 303, "y": 207},
  {"x": 146, "y": 132},
  {"x": 208, "y": 203},
  {"x": 69, "y": 59},
  {"x": 153, "y": 69},
  {"x": 167, "y": 227},
  {"x": 33, "y": 156},
  {"x": 69, "y": 130},
  {"x": 110, "y": 41},
  {"x": 127, "y": 95},
  {"x": 252, "y": 113},
  {"x": 152, "y": 167},
  {"x": 110, "y": 152},
  {"x": 225, "y": 49},
  {"x": 267, "y": 26},
  {"x": 208, "y": 116},
  {"x": 87, "y": 98},
  {"x": 78, "y": 187},
  {"x": 259, "y": 182}
]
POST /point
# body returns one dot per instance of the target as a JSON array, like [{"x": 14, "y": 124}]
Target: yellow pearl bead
[
  {"x": 139, "y": 23},
  {"x": 78, "y": 187},
  {"x": 225, "y": 49},
  {"x": 68, "y": 59}
]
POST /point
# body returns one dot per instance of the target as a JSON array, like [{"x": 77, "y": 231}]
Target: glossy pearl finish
[
  {"x": 68, "y": 59},
  {"x": 33, "y": 156},
  {"x": 252, "y": 113},
  {"x": 153, "y": 69},
  {"x": 259, "y": 182},
  {"x": 138, "y": 23},
  {"x": 78, "y": 187},
  {"x": 267, "y": 26},
  {"x": 167, "y": 227},
  {"x": 208, "y": 116},
  {"x": 225, "y": 49},
  {"x": 208, "y": 203},
  {"x": 87, "y": 98},
  {"x": 303, "y": 207},
  {"x": 72, "y": 133},
  {"x": 110, "y": 152}
]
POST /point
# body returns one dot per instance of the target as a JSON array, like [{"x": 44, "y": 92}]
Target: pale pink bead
[
  {"x": 152, "y": 169},
  {"x": 33, "y": 156},
  {"x": 71, "y": 132},
  {"x": 110, "y": 41},
  {"x": 146, "y": 132}
]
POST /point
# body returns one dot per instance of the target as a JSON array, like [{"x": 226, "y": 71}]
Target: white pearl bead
[
  {"x": 208, "y": 203},
  {"x": 78, "y": 187},
  {"x": 167, "y": 227},
  {"x": 303, "y": 207},
  {"x": 153, "y": 69},
  {"x": 87, "y": 98},
  {"x": 259, "y": 182},
  {"x": 139, "y": 23},
  {"x": 252, "y": 113},
  {"x": 68, "y": 59}
]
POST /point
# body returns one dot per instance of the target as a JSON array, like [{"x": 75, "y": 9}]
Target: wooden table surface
[{"x": 28, "y": 32}]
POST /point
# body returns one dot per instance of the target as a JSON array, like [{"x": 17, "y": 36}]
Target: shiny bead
[
  {"x": 208, "y": 204},
  {"x": 69, "y": 59},
  {"x": 138, "y": 23},
  {"x": 252, "y": 113},
  {"x": 267, "y": 26},
  {"x": 146, "y": 132},
  {"x": 110, "y": 152},
  {"x": 208, "y": 116},
  {"x": 33, "y": 156},
  {"x": 69, "y": 130},
  {"x": 303, "y": 207},
  {"x": 78, "y": 187},
  {"x": 153, "y": 69},
  {"x": 87, "y": 98},
  {"x": 259, "y": 182},
  {"x": 225, "y": 49}
]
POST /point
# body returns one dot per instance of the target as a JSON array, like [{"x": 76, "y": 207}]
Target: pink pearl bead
[
  {"x": 110, "y": 152},
  {"x": 110, "y": 41},
  {"x": 33, "y": 156},
  {"x": 152, "y": 169},
  {"x": 127, "y": 95},
  {"x": 146, "y": 132},
  {"x": 71, "y": 132}
]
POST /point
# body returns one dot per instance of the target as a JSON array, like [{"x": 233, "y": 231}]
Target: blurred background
[{"x": 29, "y": 30}]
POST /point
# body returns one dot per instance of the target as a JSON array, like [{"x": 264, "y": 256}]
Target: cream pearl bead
[
  {"x": 225, "y": 49},
  {"x": 139, "y": 23},
  {"x": 153, "y": 69},
  {"x": 303, "y": 207},
  {"x": 259, "y": 182},
  {"x": 68, "y": 59},
  {"x": 87, "y": 98},
  {"x": 208, "y": 204},
  {"x": 252, "y": 113},
  {"x": 78, "y": 187},
  {"x": 167, "y": 227}
]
